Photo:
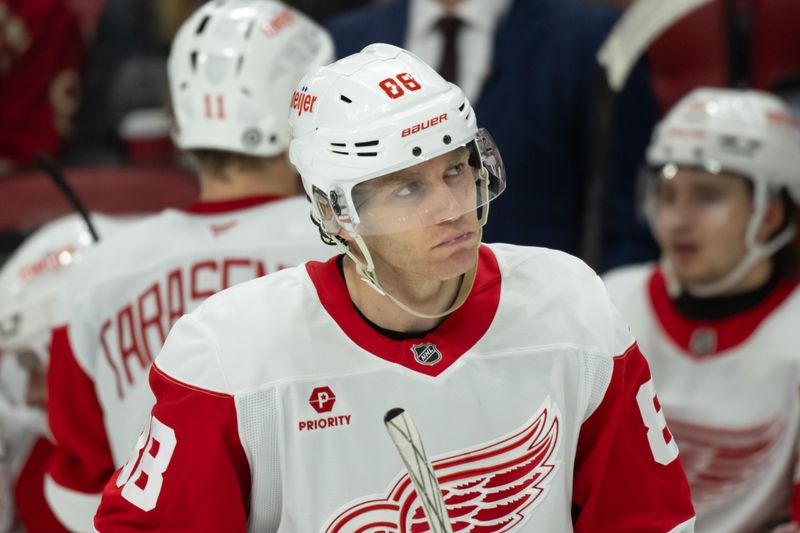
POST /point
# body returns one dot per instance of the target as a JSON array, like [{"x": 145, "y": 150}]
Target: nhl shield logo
[
  {"x": 703, "y": 341},
  {"x": 426, "y": 354}
]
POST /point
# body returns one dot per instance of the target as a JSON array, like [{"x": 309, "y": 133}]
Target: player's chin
[
  {"x": 690, "y": 275},
  {"x": 454, "y": 261}
]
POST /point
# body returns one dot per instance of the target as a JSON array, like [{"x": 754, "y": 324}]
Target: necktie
[{"x": 450, "y": 26}]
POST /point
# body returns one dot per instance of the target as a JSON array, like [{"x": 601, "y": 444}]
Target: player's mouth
[
  {"x": 456, "y": 239},
  {"x": 684, "y": 251}
]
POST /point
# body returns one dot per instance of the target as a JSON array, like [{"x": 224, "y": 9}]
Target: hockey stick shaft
[
  {"x": 409, "y": 445},
  {"x": 643, "y": 22},
  {"x": 58, "y": 178}
]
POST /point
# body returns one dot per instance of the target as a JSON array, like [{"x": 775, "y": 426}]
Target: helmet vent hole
[
  {"x": 273, "y": 138},
  {"x": 249, "y": 30},
  {"x": 340, "y": 153},
  {"x": 461, "y": 107},
  {"x": 343, "y": 98},
  {"x": 446, "y": 139},
  {"x": 184, "y": 85},
  {"x": 338, "y": 144},
  {"x": 202, "y": 25},
  {"x": 416, "y": 151},
  {"x": 366, "y": 143},
  {"x": 466, "y": 117},
  {"x": 193, "y": 60},
  {"x": 367, "y": 154},
  {"x": 245, "y": 91}
]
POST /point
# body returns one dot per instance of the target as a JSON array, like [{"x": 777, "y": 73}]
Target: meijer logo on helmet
[{"x": 303, "y": 102}]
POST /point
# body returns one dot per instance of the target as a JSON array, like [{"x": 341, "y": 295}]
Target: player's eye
[
  {"x": 407, "y": 190},
  {"x": 665, "y": 194},
  {"x": 455, "y": 170},
  {"x": 707, "y": 195}
]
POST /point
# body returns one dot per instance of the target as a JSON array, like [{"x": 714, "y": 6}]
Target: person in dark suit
[{"x": 537, "y": 94}]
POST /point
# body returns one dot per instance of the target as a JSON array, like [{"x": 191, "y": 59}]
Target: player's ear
[{"x": 773, "y": 220}]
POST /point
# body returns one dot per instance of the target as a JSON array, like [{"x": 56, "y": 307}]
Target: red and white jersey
[
  {"x": 532, "y": 399},
  {"x": 30, "y": 283},
  {"x": 121, "y": 303},
  {"x": 729, "y": 389}
]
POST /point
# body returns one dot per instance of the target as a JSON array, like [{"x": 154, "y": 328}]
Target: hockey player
[
  {"x": 232, "y": 69},
  {"x": 718, "y": 318},
  {"x": 530, "y": 394},
  {"x": 30, "y": 282}
]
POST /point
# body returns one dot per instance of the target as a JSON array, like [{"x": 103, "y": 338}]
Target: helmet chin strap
[
  {"x": 366, "y": 271},
  {"x": 738, "y": 273},
  {"x": 365, "y": 268},
  {"x": 755, "y": 252}
]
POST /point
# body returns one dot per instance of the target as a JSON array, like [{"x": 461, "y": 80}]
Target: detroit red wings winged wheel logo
[{"x": 491, "y": 488}]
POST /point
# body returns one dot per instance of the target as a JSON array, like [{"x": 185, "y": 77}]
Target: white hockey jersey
[
  {"x": 30, "y": 283},
  {"x": 122, "y": 303},
  {"x": 729, "y": 389},
  {"x": 532, "y": 400}
]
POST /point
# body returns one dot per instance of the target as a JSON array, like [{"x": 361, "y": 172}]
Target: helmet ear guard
[{"x": 323, "y": 212}]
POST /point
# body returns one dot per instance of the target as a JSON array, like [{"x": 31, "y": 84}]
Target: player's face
[
  {"x": 445, "y": 234},
  {"x": 700, "y": 223}
]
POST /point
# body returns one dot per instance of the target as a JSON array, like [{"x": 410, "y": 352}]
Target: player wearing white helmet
[
  {"x": 717, "y": 318},
  {"x": 30, "y": 282},
  {"x": 232, "y": 68},
  {"x": 532, "y": 397}
]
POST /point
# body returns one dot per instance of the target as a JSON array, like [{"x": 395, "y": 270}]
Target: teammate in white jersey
[
  {"x": 718, "y": 318},
  {"x": 30, "y": 282},
  {"x": 531, "y": 397},
  {"x": 232, "y": 69}
]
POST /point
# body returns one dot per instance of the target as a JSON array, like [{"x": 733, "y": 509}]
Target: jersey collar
[
  {"x": 226, "y": 206},
  {"x": 704, "y": 338},
  {"x": 451, "y": 339}
]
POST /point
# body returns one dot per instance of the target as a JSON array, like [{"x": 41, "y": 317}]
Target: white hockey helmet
[
  {"x": 32, "y": 278},
  {"x": 232, "y": 69},
  {"x": 746, "y": 132},
  {"x": 373, "y": 113}
]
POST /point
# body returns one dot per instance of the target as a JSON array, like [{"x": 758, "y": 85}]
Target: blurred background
[
  {"x": 569, "y": 89},
  {"x": 83, "y": 83}
]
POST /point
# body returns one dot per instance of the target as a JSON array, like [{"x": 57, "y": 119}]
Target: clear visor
[
  {"x": 444, "y": 188},
  {"x": 655, "y": 188}
]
